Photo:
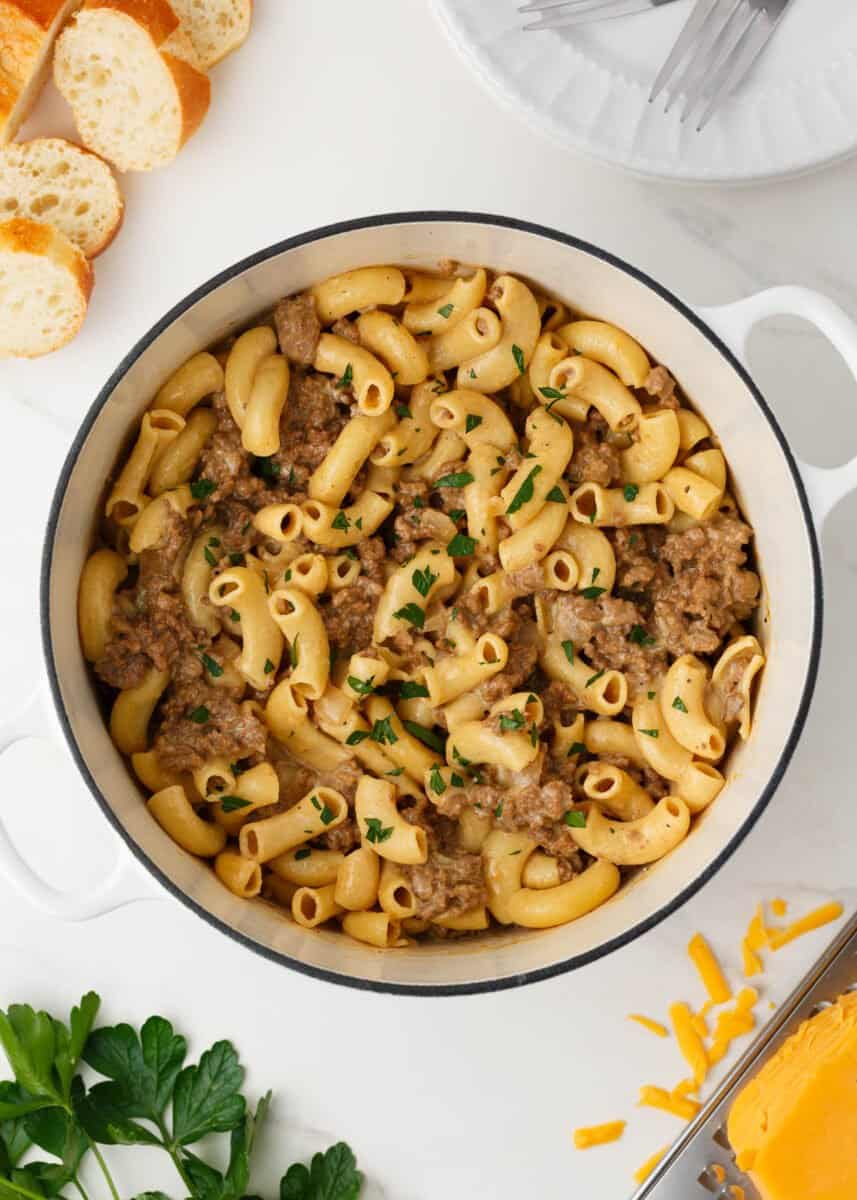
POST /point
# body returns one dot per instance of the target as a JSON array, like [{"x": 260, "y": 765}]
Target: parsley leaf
[
  {"x": 199, "y": 715},
  {"x": 525, "y": 492},
  {"x": 594, "y": 678},
  {"x": 456, "y": 514},
  {"x": 230, "y": 804},
  {"x": 267, "y": 468},
  {"x": 340, "y": 521},
  {"x": 346, "y": 378},
  {"x": 209, "y": 557},
  {"x": 427, "y": 736},
  {"x": 473, "y": 422},
  {"x": 409, "y": 689},
  {"x": 383, "y": 732},
  {"x": 446, "y": 311},
  {"x": 330, "y": 1176},
  {"x": 629, "y": 491},
  {"x": 551, "y": 393},
  {"x": 461, "y": 545},
  {"x": 212, "y": 666},
  {"x": 201, "y": 489},
  {"x": 361, "y": 686},
  {"x": 556, "y": 495},
  {"x": 520, "y": 362},
  {"x": 575, "y": 748},
  {"x": 269, "y": 666},
  {"x": 412, "y": 613},
  {"x": 568, "y": 650},
  {"x": 592, "y": 593},
  {"x": 437, "y": 783},
  {"x": 423, "y": 580},
  {"x": 457, "y": 479},
  {"x": 513, "y": 720},
  {"x": 652, "y": 733},
  {"x": 375, "y": 832},
  {"x": 403, "y": 412},
  {"x": 640, "y": 637},
  {"x": 356, "y": 737},
  {"x": 577, "y": 820},
  {"x": 679, "y": 704}
]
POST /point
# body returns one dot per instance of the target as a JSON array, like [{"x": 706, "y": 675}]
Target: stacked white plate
[{"x": 587, "y": 87}]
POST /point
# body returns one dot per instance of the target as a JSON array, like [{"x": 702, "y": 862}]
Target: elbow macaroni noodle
[{"x": 391, "y": 607}]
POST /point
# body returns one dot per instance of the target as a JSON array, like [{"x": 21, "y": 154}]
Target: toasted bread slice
[
  {"x": 28, "y": 29},
  {"x": 45, "y": 282},
  {"x": 125, "y": 68},
  {"x": 50, "y": 179},
  {"x": 214, "y": 27}
]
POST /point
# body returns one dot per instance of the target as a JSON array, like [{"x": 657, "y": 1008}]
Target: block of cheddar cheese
[{"x": 794, "y": 1126}]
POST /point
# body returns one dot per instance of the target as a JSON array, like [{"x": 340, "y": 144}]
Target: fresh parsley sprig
[{"x": 149, "y": 1096}]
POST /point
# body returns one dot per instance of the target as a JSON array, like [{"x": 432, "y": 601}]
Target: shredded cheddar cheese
[
  {"x": 642, "y": 1173},
  {"x": 710, "y": 972},
  {"x": 599, "y": 1135},
  {"x": 779, "y": 908},
  {"x": 733, "y": 1023},
  {"x": 679, "y": 1106},
  {"x": 752, "y": 962},
  {"x": 689, "y": 1041},
  {"x": 757, "y": 932},
  {"x": 718, "y": 1173},
  {"x": 813, "y": 920},
  {"x": 737, "y": 1192},
  {"x": 647, "y": 1023},
  {"x": 700, "y": 1022},
  {"x": 687, "y": 1087}
]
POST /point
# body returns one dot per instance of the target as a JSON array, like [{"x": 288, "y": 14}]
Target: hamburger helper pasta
[{"x": 422, "y": 606}]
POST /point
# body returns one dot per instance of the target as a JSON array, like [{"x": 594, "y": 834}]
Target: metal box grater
[{"x": 685, "y": 1171}]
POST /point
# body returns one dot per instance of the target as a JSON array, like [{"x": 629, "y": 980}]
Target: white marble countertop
[{"x": 339, "y": 110}]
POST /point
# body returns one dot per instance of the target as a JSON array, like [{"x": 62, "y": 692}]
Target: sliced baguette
[
  {"x": 50, "y": 179},
  {"x": 28, "y": 29},
  {"x": 215, "y": 27},
  {"x": 124, "y": 67},
  {"x": 45, "y": 282}
]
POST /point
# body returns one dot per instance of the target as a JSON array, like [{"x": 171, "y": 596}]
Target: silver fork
[
  {"x": 560, "y": 14},
  {"x": 719, "y": 43}
]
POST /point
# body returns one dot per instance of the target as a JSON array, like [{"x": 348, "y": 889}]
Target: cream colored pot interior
[{"x": 767, "y": 491}]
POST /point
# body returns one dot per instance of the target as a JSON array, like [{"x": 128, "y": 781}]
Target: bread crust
[
  {"x": 28, "y": 29},
  {"x": 194, "y": 89},
  {"x": 23, "y": 236}
]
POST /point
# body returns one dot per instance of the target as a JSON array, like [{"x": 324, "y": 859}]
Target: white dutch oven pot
[{"x": 785, "y": 501}]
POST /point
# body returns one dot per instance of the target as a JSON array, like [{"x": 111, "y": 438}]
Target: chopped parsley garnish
[
  {"x": 361, "y": 686},
  {"x": 513, "y": 720},
  {"x": 525, "y": 492},
  {"x": 314, "y": 801},
  {"x": 346, "y": 378},
  {"x": 575, "y": 748},
  {"x": 403, "y": 412},
  {"x": 326, "y": 815},
  {"x": 596, "y": 571},
  {"x": 440, "y": 387},
  {"x": 358, "y": 736},
  {"x": 640, "y": 637},
  {"x": 291, "y": 478},
  {"x": 304, "y": 852},
  {"x": 446, "y": 311},
  {"x": 459, "y": 758},
  {"x": 629, "y": 491},
  {"x": 423, "y": 580},
  {"x": 457, "y": 780},
  {"x": 592, "y": 593},
  {"x": 577, "y": 820},
  {"x": 212, "y": 666},
  {"x": 534, "y": 735},
  {"x": 473, "y": 422},
  {"x": 594, "y": 678},
  {"x": 436, "y": 781},
  {"x": 679, "y": 704},
  {"x": 427, "y": 736},
  {"x": 209, "y": 557},
  {"x": 199, "y": 715},
  {"x": 458, "y": 479},
  {"x": 419, "y": 502},
  {"x": 456, "y": 514},
  {"x": 651, "y": 695},
  {"x": 412, "y": 613},
  {"x": 269, "y": 666},
  {"x": 460, "y": 546},
  {"x": 498, "y": 811},
  {"x": 230, "y": 804},
  {"x": 568, "y": 650},
  {"x": 376, "y": 832},
  {"x": 383, "y": 732},
  {"x": 472, "y": 373},
  {"x": 652, "y": 733},
  {"x": 520, "y": 362},
  {"x": 351, "y": 553},
  {"x": 234, "y": 615},
  {"x": 552, "y": 394},
  {"x": 236, "y": 558},
  {"x": 201, "y": 489},
  {"x": 340, "y": 521},
  {"x": 395, "y": 771},
  {"x": 556, "y": 495},
  {"x": 409, "y": 689}
]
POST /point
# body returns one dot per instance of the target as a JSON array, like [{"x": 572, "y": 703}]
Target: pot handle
[
  {"x": 124, "y": 882},
  {"x": 825, "y": 486}
]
